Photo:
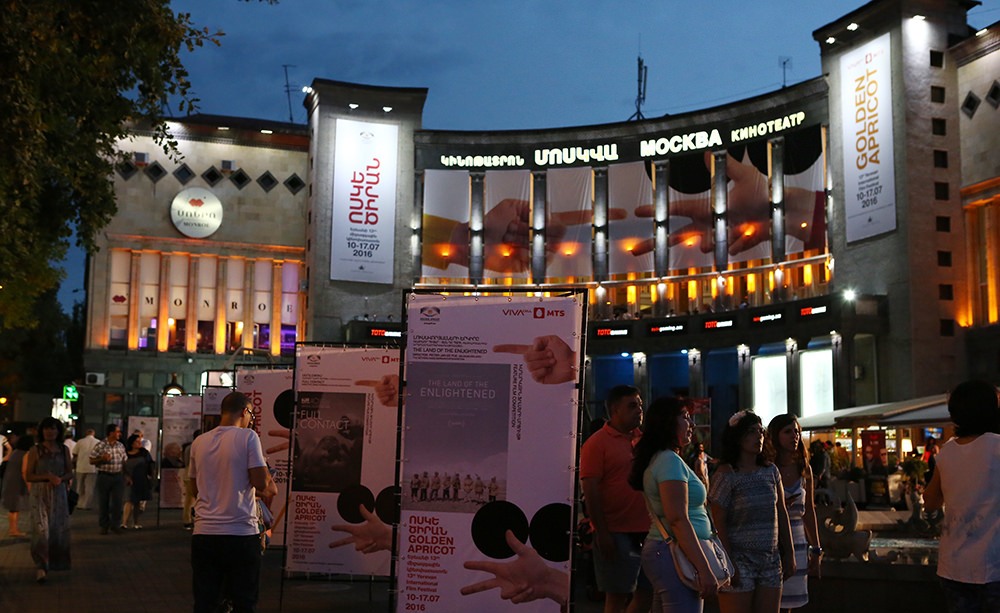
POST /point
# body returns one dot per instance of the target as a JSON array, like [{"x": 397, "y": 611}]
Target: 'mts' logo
[{"x": 542, "y": 313}]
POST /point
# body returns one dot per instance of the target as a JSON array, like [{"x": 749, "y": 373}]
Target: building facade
[{"x": 828, "y": 245}]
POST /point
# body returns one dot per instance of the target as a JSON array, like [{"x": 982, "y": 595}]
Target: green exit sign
[{"x": 70, "y": 393}]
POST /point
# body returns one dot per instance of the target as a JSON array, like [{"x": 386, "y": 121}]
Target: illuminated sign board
[
  {"x": 813, "y": 310},
  {"x": 607, "y": 332},
  {"x": 384, "y": 333},
  {"x": 766, "y": 318},
  {"x": 649, "y": 140},
  {"x": 715, "y": 324},
  {"x": 671, "y": 328}
]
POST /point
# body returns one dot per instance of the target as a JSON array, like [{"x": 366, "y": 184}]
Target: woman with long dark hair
[
  {"x": 968, "y": 471},
  {"x": 676, "y": 495},
  {"x": 139, "y": 472},
  {"x": 748, "y": 506},
  {"x": 784, "y": 447},
  {"x": 49, "y": 471}
]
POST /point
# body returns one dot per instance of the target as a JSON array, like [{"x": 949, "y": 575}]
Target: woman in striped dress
[{"x": 785, "y": 449}]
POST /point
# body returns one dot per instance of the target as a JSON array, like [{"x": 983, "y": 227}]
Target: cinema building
[{"x": 832, "y": 244}]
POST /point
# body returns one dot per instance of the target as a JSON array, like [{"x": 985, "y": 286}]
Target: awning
[
  {"x": 934, "y": 414},
  {"x": 929, "y": 409},
  {"x": 825, "y": 421}
]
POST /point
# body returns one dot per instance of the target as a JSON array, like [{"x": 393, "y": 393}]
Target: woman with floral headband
[{"x": 748, "y": 507}]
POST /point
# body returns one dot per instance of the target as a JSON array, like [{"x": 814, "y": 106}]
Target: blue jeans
[
  {"x": 110, "y": 492},
  {"x": 669, "y": 594},
  {"x": 225, "y": 566},
  {"x": 971, "y": 597}
]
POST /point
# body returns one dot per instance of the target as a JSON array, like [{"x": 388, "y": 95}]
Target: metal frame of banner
[
  {"x": 334, "y": 577},
  {"x": 553, "y": 291}
]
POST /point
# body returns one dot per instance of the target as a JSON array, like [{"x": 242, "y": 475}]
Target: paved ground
[{"x": 148, "y": 570}]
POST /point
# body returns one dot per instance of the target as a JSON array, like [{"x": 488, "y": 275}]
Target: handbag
[
  {"x": 718, "y": 560},
  {"x": 71, "y": 499}
]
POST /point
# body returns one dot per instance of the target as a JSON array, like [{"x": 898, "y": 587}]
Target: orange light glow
[
  {"x": 690, "y": 242},
  {"x": 749, "y": 231},
  {"x": 506, "y": 252},
  {"x": 803, "y": 225}
]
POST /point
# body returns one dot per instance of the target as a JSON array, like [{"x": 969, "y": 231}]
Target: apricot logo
[{"x": 196, "y": 202}]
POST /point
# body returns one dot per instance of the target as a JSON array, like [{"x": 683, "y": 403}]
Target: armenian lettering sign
[{"x": 364, "y": 202}]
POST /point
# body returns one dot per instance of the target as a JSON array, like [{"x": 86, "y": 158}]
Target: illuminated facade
[
  {"x": 734, "y": 232},
  {"x": 191, "y": 270}
]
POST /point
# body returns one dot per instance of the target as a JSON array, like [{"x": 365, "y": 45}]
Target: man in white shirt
[
  {"x": 86, "y": 473},
  {"x": 227, "y": 469}
]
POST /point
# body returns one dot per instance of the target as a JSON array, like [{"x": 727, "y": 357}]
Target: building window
[
  {"x": 971, "y": 104},
  {"x": 941, "y": 191},
  {"x": 937, "y": 93},
  {"x": 943, "y": 223},
  {"x": 937, "y": 58},
  {"x": 938, "y": 127},
  {"x": 993, "y": 96},
  {"x": 940, "y": 159},
  {"x": 946, "y": 292},
  {"x": 947, "y": 327},
  {"x": 944, "y": 258}
]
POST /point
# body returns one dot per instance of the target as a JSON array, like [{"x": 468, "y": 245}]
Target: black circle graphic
[
  {"x": 284, "y": 406},
  {"x": 550, "y": 531},
  {"x": 387, "y": 505},
  {"x": 349, "y": 501},
  {"x": 490, "y": 525}
]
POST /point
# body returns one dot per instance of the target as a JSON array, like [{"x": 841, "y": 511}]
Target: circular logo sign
[{"x": 196, "y": 212}]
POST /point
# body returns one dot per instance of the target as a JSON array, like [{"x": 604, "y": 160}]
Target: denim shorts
[
  {"x": 620, "y": 575},
  {"x": 755, "y": 569}
]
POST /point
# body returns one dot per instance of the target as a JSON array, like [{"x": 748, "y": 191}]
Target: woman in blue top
[{"x": 676, "y": 495}]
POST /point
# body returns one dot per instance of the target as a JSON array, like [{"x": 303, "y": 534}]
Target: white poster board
[
  {"x": 181, "y": 417},
  {"x": 273, "y": 399},
  {"x": 364, "y": 201},
  {"x": 343, "y": 458},
  {"x": 491, "y": 401},
  {"x": 866, "y": 134}
]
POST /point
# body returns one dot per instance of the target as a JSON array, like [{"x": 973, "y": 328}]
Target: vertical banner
[
  {"x": 343, "y": 499},
  {"x": 364, "y": 201},
  {"x": 489, "y": 443},
  {"x": 181, "y": 417},
  {"x": 273, "y": 400},
  {"x": 866, "y": 132}
]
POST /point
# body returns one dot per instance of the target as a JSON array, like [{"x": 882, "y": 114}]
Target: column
[
  {"x": 600, "y": 232},
  {"x": 476, "y": 216},
  {"x": 539, "y": 215}
]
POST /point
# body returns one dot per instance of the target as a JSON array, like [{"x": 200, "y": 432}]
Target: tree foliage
[{"x": 76, "y": 74}]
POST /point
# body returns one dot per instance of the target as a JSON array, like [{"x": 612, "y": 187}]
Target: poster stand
[
  {"x": 464, "y": 350},
  {"x": 390, "y": 349}
]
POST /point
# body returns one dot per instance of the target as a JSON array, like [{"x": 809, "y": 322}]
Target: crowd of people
[
  {"x": 759, "y": 503},
  {"x": 649, "y": 500}
]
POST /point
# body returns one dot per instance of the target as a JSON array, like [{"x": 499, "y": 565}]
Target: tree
[{"x": 77, "y": 74}]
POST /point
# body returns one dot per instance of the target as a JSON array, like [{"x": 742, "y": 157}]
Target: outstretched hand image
[
  {"x": 506, "y": 228},
  {"x": 283, "y": 445},
  {"x": 549, "y": 359},
  {"x": 524, "y": 579},
  {"x": 386, "y": 389},
  {"x": 748, "y": 212},
  {"x": 368, "y": 537}
]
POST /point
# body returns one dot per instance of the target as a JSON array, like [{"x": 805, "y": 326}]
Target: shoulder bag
[{"x": 715, "y": 553}]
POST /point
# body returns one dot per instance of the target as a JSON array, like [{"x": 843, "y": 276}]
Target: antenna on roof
[
  {"x": 785, "y": 63},
  {"x": 640, "y": 96},
  {"x": 288, "y": 91}
]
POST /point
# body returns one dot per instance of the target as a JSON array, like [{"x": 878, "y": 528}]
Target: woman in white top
[{"x": 966, "y": 482}]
